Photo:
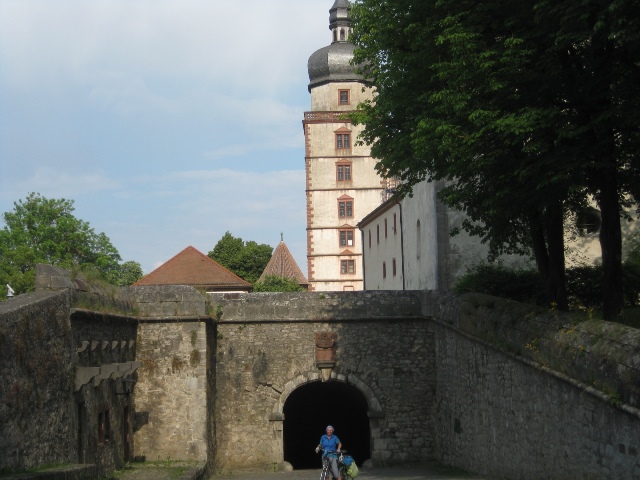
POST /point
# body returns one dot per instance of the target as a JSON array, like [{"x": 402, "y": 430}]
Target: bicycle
[{"x": 326, "y": 465}]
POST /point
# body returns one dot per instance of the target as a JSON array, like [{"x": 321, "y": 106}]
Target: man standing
[{"x": 330, "y": 444}]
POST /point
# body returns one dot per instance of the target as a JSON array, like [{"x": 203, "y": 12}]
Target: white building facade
[{"x": 407, "y": 244}]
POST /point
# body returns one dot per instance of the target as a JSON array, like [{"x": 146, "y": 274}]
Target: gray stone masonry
[
  {"x": 319, "y": 306},
  {"x": 37, "y": 363},
  {"x": 477, "y": 382},
  {"x": 602, "y": 355},
  {"x": 84, "y": 292},
  {"x": 266, "y": 349},
  {"x": 65, "y": 352},
  {"x": 171, "y": 394},
  {"x": 504, "y": 411},
  {"x": 167, "y": 301}
]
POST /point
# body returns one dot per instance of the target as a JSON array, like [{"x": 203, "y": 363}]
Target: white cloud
[
  {"x": 55, "y": 183},
  {"x": 246, "y": 45}
]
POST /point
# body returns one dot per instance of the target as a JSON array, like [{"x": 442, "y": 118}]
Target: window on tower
[
  {"x": 343, "y": 171},
  {"x": 346, "y": 238},
  {"x": 344, "y": 97},
  {"x": 343, "y": 141},
  {"x": 347, "y": 267},
  {"x": 345, "y": 207}
]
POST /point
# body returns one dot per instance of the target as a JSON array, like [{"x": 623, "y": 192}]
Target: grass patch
[{"x": 165, "y": 469}]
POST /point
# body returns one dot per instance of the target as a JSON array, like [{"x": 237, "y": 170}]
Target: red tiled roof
[
  {"x": 282, "y": 264},
  {"x": 192, "y": 267}
]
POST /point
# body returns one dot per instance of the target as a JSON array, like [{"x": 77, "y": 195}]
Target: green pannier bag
[{"x": 352, "y": 471}]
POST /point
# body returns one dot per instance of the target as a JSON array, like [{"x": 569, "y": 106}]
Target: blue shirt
[{"x": 329, "y": 444}]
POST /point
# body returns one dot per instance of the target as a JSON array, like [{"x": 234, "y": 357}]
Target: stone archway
[{"x": 306, "y": 407}]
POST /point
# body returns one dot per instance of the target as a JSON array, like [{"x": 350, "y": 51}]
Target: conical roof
[
  {"x": 194, "y": 268},
  {"x": 282, "y": 264}
]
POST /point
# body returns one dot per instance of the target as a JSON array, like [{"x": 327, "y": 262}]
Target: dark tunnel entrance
[{"x": 308, "y": 411}]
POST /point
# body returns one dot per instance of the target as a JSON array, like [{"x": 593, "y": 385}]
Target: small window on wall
[
  {"x": 393, "y": 267},
  {"x": 344, "y": 97},
  {"x": 343, "y": 172},
  {"x": 345, "y": 208},
  {"x": 384, "y": 269},
  {"x": 395, "y": 224},
  {"x": 347, "y": 267},
  {"x": 346, "y": 238},
  {"x": 386, "y": 231},
  {"x": 343, "y": 141},
  {"x": 369, "y": 238}
]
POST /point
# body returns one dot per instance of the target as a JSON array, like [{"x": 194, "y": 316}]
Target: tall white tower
[{"x": 342, "y": 183}]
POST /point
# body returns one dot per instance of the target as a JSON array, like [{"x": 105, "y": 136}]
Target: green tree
[
  {"x": 41, "y": 230},
  {"x": 275, "y": 283},
  {"x": 128, "y": 274},
  {"x": 511, "y": 104},
  {"x": 246, "y": 259}
]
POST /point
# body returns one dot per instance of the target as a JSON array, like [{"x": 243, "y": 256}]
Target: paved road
[{"x": 422, "y": 472}]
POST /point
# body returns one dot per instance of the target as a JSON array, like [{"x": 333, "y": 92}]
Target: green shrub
[
  {"x": 631, "y": 280},
  {"x": 496, "y": 279},
  {"x": 274, "y": 283},
  {"x": 584, "y": 284}
]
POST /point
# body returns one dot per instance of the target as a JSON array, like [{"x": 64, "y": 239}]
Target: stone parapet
[
  {"x": 317, "y": 306},
  {"x": 602, "y": 355},
  {"x": 167, "y": 301},
  {"x": 94, "y": 295},
  {"x": 37, "y": 369}
]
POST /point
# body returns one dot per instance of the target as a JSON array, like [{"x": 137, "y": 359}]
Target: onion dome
[{"x": 333, "y": 63}]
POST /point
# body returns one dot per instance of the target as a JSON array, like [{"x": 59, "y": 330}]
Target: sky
[{"x": 167, "y": 122}]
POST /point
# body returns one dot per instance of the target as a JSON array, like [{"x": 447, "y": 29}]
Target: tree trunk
[
  {"x": 611, "y": 244},
  {"x": 607, "y": 181},
  {"x": 547, "y": 240},
  {"x": 554, "y": 226}
]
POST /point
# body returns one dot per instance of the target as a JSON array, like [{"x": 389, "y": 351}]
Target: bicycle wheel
[
  {"x": 324, "y": 475},
  {"x": 343, "y": 472}
]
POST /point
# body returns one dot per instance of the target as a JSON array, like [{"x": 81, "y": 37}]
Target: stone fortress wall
[
  {"x": 175, "y": 392},
  {"x": 476, "y": 382},
  {"x": 62, "y": 365},
  {"x": 266, "y": 349},
  {"x": 530, "y": 394}
]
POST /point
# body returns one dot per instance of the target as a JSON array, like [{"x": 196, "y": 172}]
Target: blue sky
[{"x": 167, "y": 122}]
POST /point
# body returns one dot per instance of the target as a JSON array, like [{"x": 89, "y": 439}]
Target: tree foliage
[
  {"x": 246, "y": 259},
  {"x": 128, "y": 274},
  {"x": 41, "y": 230},
  {"x": 275, "y": 283},
  {"x": 526, "y": 109}
]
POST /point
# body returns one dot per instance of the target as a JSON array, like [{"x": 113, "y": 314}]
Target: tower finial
[
  {"x": 340, "y": 21},
  {"x": 281, "y": 237}
]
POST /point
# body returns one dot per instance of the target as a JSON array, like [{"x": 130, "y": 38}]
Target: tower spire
[{"x": 340, "y": 21}]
